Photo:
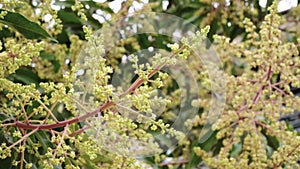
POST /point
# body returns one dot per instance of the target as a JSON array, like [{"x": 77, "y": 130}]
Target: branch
[
  {"x": 23, "y": 138},
  {"x": 23, "y": 125},
  {"x": 106, "y": 105},
  {"x": 79, "y": 130},
  {"x": 258, "y": 93},
  {"x": 140, "y": 81},
  {"x": 289, "y": 154},
  {"x": 61, "y": 140}
]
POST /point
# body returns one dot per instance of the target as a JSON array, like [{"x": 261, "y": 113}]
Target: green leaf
[
  {"x": 270, "y": 151},
  {"x": 237, "y": 149},
  {"x": 149, "y": 160},
  {"x": 44, "y": 140},
  {"x": 63, "y": 37},
  {"x": 86, "y": 162},
  {"x": 51, "y": 57},
  {"x": 7, "y": 162},
  {"x": 69, "y": 17},
  {"x": 209, "y": 142},
  {"x": 213, "y": 29},
  {"x": 207, "y": 145},
  {"x": 194, "y": 160},
  {"x": 4, "y": 33},
  {"x": 27, "y": 28},
  {"x": 273, "y": 142},
  {"x": 26, "y": 76},
  {"x": 67, "y": 4},
  {"x": 47, "y": 56}
]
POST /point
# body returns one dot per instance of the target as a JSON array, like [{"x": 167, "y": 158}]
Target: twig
[
  {"x": 7, "y": 124},
  {"x": 264, "y": 126},
  {"x": 140, "y": 81},
  {"x": 79, "y": 131},
  {"x": 289, "y": 154},
  {"x": 281, "y": 91},
  {"x": 23, "y": 152},
  {"x": 48, "y": 110},
  {"x": 61, "y": 140},
  {"x": 22, "y": 107},
  {"x": 104, "y": 106},
  {"x": 23, "y": 138},
  {"x": 23, "y": 125}
]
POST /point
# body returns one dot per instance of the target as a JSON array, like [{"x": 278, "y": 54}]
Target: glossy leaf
[
  {"x": 27, "y": 28},
  {"x": 25, "y": 76}
]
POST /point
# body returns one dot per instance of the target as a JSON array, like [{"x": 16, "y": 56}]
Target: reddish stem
[
  {"x": 289, "y": 154},
  {"x": 79, "y": 130},
  {"x": 258, "y": 93},
  {"x": 106, "y": 105},
  {"x": 140, "y": 81},
  {"x": 65, "y": 122}
]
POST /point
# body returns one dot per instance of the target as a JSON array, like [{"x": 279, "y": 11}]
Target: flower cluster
[
  {"x": 60, "y": 107},
  {"x": 256, "y": 97}
]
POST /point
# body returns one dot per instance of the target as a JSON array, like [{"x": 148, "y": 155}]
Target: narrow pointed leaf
[{"x": 27, "y": 28}]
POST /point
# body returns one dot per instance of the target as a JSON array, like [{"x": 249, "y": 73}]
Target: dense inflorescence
[{"x": 256, "y": 97}]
